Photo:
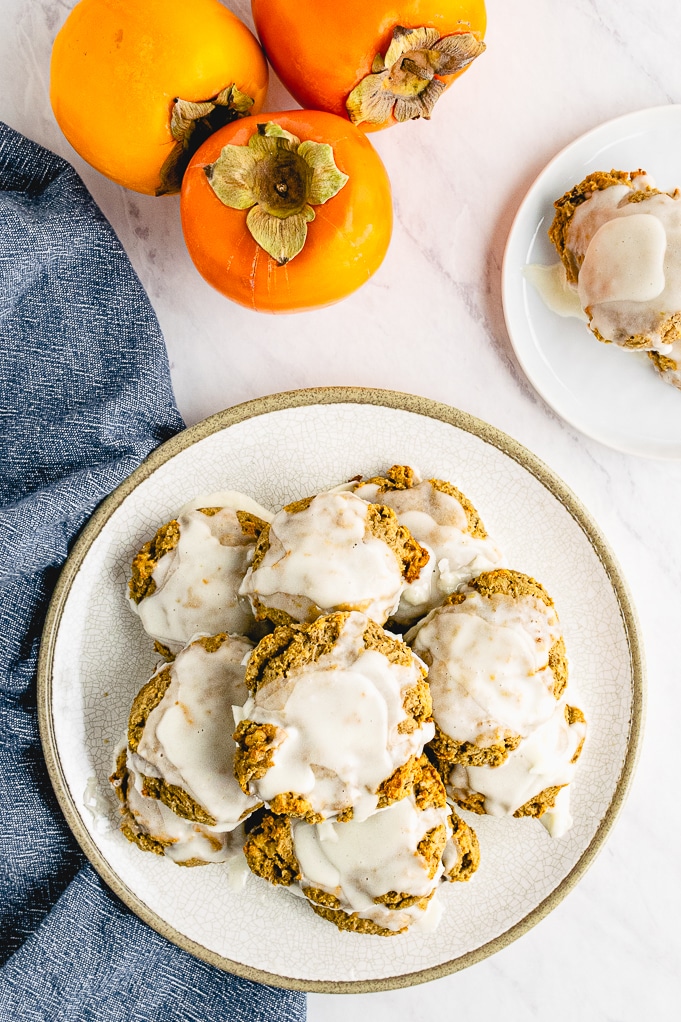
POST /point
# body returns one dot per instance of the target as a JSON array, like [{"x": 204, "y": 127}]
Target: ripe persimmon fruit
[
  {"x": 136, "y": 87},
  {"x": 377, "y": 64},
  {"x": 287, "y": 211}
]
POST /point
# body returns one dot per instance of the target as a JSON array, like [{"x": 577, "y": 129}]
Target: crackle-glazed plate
[
  {"x": 612, "y": 395},
  {"x": 95, "y": 657}
]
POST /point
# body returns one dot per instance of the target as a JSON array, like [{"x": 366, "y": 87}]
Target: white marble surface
[{"x": 430, "y": 322}]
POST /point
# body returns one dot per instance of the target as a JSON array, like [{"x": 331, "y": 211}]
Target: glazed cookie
[
  {"x": 338, "y": 718},
  {"x": 619, "y": 239},
  {"x": 331, "y": 552},
  {"x": 153, "y": 827},
  {"x": 446, "y": 524},
  {"x": 534, "y": 780},
  {"x": 179, "y": 733},
  {"x": 497, "y": 666},
  {"x": 185, "y": 581},
  {"x": 378, "y": 876}
]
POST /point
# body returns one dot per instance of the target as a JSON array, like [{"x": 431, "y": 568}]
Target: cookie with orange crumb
[
  {"x": 446, "y": 524},
  {"x": 339, "y": 714},
  {"x": 330, "y": 552},
  {"x": 535, "y": 778},
  {"x": 497, "y": 666},
  {"x": 185, "y": 580},
  {"x": 179, "y": 745},
  {"x": 378, "y": 876}
]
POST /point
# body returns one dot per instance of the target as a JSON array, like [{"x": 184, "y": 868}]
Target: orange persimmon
[
  {"x": 136, "y": 87},
  {"x": 376, "y": 63},
  {"x": 287, "y": 211}
]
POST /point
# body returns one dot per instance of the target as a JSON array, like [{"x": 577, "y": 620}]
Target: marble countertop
[{"x": 430, "y": 322}]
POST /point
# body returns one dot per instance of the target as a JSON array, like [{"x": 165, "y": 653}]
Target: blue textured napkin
[{"x": 85, "y": 395}]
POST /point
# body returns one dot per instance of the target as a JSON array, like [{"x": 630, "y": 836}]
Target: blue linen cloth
[{"x": 85, "y": 395}]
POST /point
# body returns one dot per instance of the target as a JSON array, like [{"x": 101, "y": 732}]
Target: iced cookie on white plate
[
  {"x": 445, "y": 523},
  {"x": 534, "y": 780},
  {"x": 332, "y": 552},
  {"x": 619, "y": 241},
  {"x": 339, "y": 715},
  {"x": 497, "y": 666},
  {"x": 185, "y": 581},
  {"x": 180, "y": 745},
  {"x": 154, "y": 827},
  {"x": 378, "y": 876}
]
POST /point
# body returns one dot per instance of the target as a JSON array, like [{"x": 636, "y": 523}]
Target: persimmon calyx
[
  {"x": 191, "y": 124},
  {"x": 278, "y": 179},
  {"x": 405, "y": 82}
]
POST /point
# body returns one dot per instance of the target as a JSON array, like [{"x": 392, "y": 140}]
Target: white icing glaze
[
  {"x": 429, "y": 920},
  {"x": 339, "y": 721},
  {"x": 439, "y": 523},
  {"x": 489, "y": 673},
  {"x": 542, "y": 760},
  {"x": 592, "y": 214},
  {"x": 197, "y": 582},
  {"x": 555, "y": 290},
  {"x": 624, "y": 261},
  {"x": 188, "y": 840},
  {"x": 232, "y": 499},
  {"x": 324, "y": 558},
  {"x": 632, "y": 281},
  {"x": 451, "y": 854},
  {"x": 557, "y": 820},
  {"x": 97, "y": 805},
  {"x": 187, "y": 738},
  {"x": 360, "y": 861}
]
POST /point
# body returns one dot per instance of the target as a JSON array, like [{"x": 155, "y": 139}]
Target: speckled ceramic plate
[
  {"x": 94, "y": 658},
  {"x": 612, "y": 395}
]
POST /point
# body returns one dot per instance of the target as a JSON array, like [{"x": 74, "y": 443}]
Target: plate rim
[
  {"x": 303, "y": 398},
  {"x": 507, "y": 285}
]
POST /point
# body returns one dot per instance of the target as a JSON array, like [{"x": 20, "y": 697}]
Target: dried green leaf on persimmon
[
  {"x": 404, "y": 83},
  {"x": 191, "y": 123},
  {"x": 327, "y": 179},
  {"x": 231, "y": 175},
  {"x": 282, "y": 238},
  {"x": 279, "y": 178},
  {"x": 406, "y": 39},
  {"x": 273, "y": 130}
]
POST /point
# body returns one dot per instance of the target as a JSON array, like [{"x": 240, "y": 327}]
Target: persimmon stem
[
  {"x": 406, "y": 82},
  {"x": 278, "y": 179},
  {"x": 191, "y": 123}
]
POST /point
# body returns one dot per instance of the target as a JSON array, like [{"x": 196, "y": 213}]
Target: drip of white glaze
[
  {"x": 97, "y": 806},
  {"x": 671, "y": 371},
  {"x": 232, "y": 499},
  {"x": 556, "y": 292}
]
